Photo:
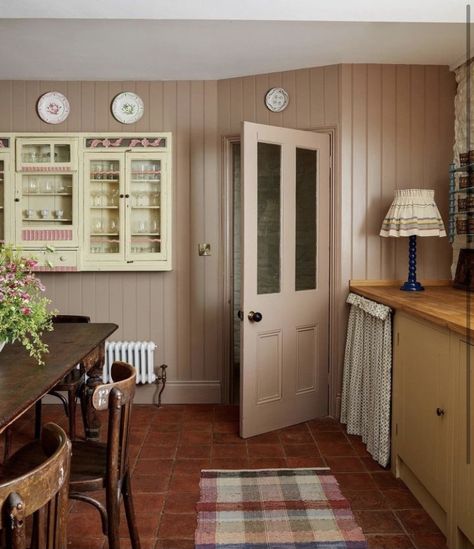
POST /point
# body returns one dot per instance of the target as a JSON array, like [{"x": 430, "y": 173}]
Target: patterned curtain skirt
[{"x": 366, "y": 392}]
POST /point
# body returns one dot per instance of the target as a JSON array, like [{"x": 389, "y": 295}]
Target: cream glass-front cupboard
[{"x": 90, "y": 202}]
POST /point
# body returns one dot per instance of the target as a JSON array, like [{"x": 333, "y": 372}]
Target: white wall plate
[
  {"x": 276, "y": 99},
  {"x": 53, "y": 107},
  {"x": 127, "y": 107}
]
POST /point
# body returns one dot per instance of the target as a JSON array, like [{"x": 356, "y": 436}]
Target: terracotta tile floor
[{"x": 170, "y": 445}]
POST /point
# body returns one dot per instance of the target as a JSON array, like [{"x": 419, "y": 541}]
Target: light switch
[{"x": 204, "y": 248}]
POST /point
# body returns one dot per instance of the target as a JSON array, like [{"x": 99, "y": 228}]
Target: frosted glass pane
[
  {"x": 305, "y": 260},
  {"x": 268, "y": 223}
]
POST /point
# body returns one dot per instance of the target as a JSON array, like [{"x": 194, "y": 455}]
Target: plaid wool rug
[{"x": 275, "y": 508}]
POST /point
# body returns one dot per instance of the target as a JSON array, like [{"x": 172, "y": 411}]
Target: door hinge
[{"x": 396, "y": 429}]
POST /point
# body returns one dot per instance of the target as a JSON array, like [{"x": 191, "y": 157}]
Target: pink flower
[{"x": 26, "y": 311}]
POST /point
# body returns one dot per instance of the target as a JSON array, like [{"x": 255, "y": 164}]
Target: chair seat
[{"x": 88, "y": 464}]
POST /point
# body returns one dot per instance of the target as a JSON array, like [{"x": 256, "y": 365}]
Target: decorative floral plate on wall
[
  {"x": 53, "y": 107},
  {"x": 127, "y": 107}
]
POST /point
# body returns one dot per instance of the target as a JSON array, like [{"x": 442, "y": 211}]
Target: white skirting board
[{"x": 176, "y": 392}]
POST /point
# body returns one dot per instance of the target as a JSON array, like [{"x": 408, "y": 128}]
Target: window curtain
[{"x": 366, "y": 392}]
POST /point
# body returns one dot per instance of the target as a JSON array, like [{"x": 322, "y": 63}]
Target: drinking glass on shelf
[
  {"x": 45, "y": 213},
  {"x": 96, "y": 171},
  {"x": 60, "y": 188},
  {"x": 141, "y": 226},
  {"x": 59, "y": 214},
  {"x": 33, "y": 186},
  {"x": 113, "y": 226},
  {"x": 111, "y": 171},
  {"x": 154, "y": 226},
  {"x": 29, "y": 213},
  {"x": 114, "y": 196},
  {"x": 46, "y": 186},
  {"x": 155, "y": 199},
  {"x": 98, "y": 226}
]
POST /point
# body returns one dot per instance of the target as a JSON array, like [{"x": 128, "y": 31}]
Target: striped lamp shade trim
[{"x": 413, "y": 212}]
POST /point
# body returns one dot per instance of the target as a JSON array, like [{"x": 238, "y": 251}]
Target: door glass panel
[
  {"x": 2, "y": 201},
  {"x": 145, "y": 187},
  {"x": 104, "y": 216},
  {"x": 46, "y": 200},
  {"x": 305, "y": 260},
  {"x": 268, "y": 221}
]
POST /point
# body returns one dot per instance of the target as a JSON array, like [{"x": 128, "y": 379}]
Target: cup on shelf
[
  {"x": 113, "y": 226},
  {"x": 59, "y": 214},
  {"x": 44, "y": 213},
  {"x": 141, "y": 226},
  {"x": 29, "y": 213}
]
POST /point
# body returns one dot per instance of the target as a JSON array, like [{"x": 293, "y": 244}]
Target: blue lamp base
[{"x": 412, "y": 285}]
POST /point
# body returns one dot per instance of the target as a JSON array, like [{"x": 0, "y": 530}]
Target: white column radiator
[{"x": 139, "y": 354}]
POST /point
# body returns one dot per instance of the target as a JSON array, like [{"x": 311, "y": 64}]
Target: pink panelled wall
[
  {"x": 179, "y": 310},
  {"x": 394, "y": 128}
]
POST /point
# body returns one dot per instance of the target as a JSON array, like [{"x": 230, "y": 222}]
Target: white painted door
[{"x": 285, "y": 277}]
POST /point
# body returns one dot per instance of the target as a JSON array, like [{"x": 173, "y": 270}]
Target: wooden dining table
[{"x": 23, "y": 381}]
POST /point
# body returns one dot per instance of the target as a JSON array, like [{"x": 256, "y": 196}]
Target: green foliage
[{"x": 24, "y": 314}]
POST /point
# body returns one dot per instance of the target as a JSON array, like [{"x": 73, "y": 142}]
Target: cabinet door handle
[
  {"x": 17, "y": 200},
  {"x": 440, "y": 412},
  {"x": 127, "y": 196}
]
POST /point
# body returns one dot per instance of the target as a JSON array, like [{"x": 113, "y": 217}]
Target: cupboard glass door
[
  {"x": 39, "y": 154},
  {"x": 104, "y": 207},
  {"x": 46, "y": 209},
  {"x": 145, "y": 206}
]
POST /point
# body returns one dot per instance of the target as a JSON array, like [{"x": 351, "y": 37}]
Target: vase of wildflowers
[{"x": 24, "y": 313}]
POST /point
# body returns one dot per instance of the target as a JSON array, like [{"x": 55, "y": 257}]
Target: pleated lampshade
[{"x": 413, "y": 213}]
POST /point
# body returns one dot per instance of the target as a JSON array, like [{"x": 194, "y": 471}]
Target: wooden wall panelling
[
  {"x": 388, "y": 164},
  {"x": 197, "y": 231},
  {"x": 157, "y": 306},
  {"x": 374, "y": 179},
  {"x": 212, "y": 216}
]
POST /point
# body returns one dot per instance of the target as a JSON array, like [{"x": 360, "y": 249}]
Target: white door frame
[{"x": 334, "y": 343}]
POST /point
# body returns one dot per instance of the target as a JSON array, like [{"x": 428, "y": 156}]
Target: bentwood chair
[
  {"x": 37, "y": 489},
  {"x": 72, "y": 384},
  {"x": 104, "y": 466}
]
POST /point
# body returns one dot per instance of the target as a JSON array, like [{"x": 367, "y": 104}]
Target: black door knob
[
  {"x": 440, "y": 412},
  {"x": 255, "y": 316}
]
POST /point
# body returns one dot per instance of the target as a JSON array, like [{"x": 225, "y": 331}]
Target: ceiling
[{"x": 214, "y": 39}]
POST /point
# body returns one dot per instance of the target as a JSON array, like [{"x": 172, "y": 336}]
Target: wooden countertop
[{"x": 438, "y": 303}]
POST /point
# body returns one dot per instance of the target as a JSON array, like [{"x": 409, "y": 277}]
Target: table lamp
[{"x": 413, "y": 213}]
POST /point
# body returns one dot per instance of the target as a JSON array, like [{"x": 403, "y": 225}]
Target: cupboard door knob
[
  {"x": 17, "y": 200},
  {"x": 127, "y": 196},
  {"x": 121, "y": 195},
  {"x": 439, "y": 412}
]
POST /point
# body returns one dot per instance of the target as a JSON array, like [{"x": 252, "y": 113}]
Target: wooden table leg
[{"x": 93, "y": 365}]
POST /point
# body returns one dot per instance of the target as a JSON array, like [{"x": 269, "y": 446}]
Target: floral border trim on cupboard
[{"x": 127, "y": 142}]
